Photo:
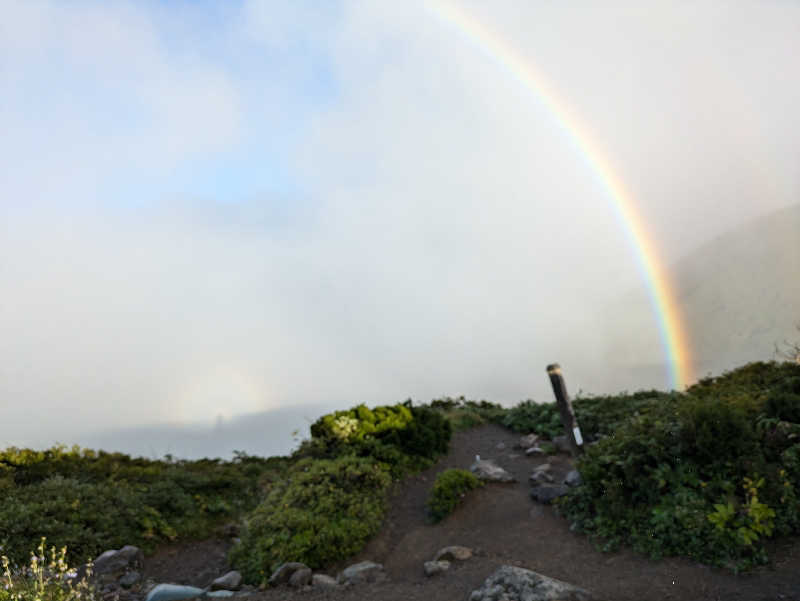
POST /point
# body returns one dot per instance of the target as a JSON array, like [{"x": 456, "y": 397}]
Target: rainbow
[{"x": 665, "y": 307}]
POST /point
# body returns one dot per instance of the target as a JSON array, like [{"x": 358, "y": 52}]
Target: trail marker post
[{"x": 565, "y": 408}]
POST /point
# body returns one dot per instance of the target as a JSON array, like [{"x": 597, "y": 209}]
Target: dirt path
[{"x": 505, "y": 526}]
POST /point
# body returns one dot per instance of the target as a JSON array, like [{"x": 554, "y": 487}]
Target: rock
[
  {"x": 546, "y": 493},
  {"x": 366, "y": 571},
  {"x": 216, "y": 594},
  {"x": 453, "y": 553},
  {"x": 510, "y": 583},
  {"x": 534, "y": 451},
  {"x": 323, "y": 581},
  {"x": 561, "y": 444},
  {"x": 114, "y": 563},
  {"x": 501, "y": 446},
  {"x": 540, "y": 477},
  {"x": 542, "y": 467},
  {"x": 436, "y": 567},
  {"x": 173, "y": 592},
  {"x": 488, "y": 470},
  {"x": 526, "y": 442},
  {"x": 129, "y": 579},
  {"x": 231, "y": 581},
  {"x": 300, "y": 578},
  {"x": 284, "y": 571},
  {"x": 573, "y": 478},
  {"x": 513, "y": 456}
]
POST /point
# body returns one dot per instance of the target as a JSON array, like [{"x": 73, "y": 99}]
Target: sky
[{"x": 217, "y": 209}]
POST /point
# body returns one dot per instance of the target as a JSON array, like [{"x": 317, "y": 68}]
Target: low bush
[
  {"x": 448, "y": 491},
  {"x": 325, "y": 510},
  {"x": 705, "y": 475}
]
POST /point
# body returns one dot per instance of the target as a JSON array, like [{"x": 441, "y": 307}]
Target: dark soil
[{"x": 504, "y": 526}]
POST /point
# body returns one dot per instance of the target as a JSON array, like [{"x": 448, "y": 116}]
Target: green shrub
[
  {"x": 528, "y": 416},
  {"x": 710, "y": 474},
  {"x": 42, "y": 580},
  {"x": 449, "y": 489},
  {"x": 324, "y": 511}
]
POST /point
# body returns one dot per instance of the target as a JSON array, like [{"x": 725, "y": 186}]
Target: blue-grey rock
[
  {"x": 231, "y": 581},
  {"x": 129, "y": 579},
  {"x": 365, "y": 571},
  {"x": 173, "y": 592},
  {"x": 488, "y": 470},
  {"x": 284, "y": 571},
  {"x": 513, "y": 583},
  {"x": 547, "y": 493},
  {"x": 432, "y": 568},
  {"x": 573, "y": 478}
]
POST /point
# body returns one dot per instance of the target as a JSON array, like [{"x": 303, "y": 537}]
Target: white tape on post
[{"x": 578, "y": 438}]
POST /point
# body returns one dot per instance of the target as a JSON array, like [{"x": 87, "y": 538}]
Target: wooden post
[{"x": 565, "y": 408}]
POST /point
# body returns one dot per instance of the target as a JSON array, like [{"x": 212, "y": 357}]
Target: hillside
[{"x": 739, "y": 293}]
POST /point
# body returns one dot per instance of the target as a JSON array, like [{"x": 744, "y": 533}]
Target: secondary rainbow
[{"x": 667, "y": 312}]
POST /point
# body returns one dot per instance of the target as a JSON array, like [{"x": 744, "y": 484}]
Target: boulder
[
  {"x": 534, "y": 451},
  {"x": 573, "y": 478},
  {"x": 173, "y": 592},
  {"x": 453, "y": 553},
  {"x": 323, "y": 581},
  {"x": 436, "y": 567},
  {"x": 488, "y": 470},
  {"x": 547, "y": 493},
  {"x": 284, "y": 571},
  {"x": 231, "y": 581},
  {"x": 540, "y": 477},
  {"x": 366, "y": 571},
  {"x": 526, "y": 442},
  {"x": 510, "y": 583},
  {"x": 300, "y": 578},
  {"x": 129, "y": 579}
]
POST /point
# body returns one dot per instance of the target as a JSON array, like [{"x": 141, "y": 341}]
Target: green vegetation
[
  {"x": 449, "y": 489},
  {"x": 43, "y": 580},
  {"x": 93, "y": 501},
  {"x": 710, "y": 474},
  {"x": 332, "y": 499}
]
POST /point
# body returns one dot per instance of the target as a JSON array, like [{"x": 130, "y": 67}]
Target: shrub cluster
[
  {"x": 448, "y": 490},
  {"x": 331, "y": 500},
  {"x": 710, "y": 474},
  {"x": 92, "y": 501}
]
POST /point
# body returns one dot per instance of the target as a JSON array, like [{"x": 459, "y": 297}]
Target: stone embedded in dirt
[
  {"x": 542, "y": 467},
  {"x": 540, "y": 477},
  {"x": 129, "y": 579},
  {"x": 453, "y": 553},
  {"x": 114, "y": 563},
  {"x": 323, "y": 581},
  {"x": 546, "y": 493},
  {"x": 501, "y": 446},
  {"x": 173, "y": 592},
  {"x": 366, "y": 571},
  {"x": 512, "y": 583},
  {"x": 534, "y": 451},
  {"x": 573, "y": 478},
  {"x": 436, "y": 567},
  {"x": 231, "y": 581},
  {"x": 528, "y": 441},
  {"x": 300, "y": 578},
  {"x": 284, "y": 571},
  {"x": 486, "y": 469}
]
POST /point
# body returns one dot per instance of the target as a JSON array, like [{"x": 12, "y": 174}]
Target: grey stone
[
  {"x": 129, "y": 579},
  {"x": 323, "y": 581},
  {"x": 510, "y": 583},
  {"x": 453, "y": 553},
  {"x": 542, "y": 467},
  {"x": 231, "y": 581},
  {"x": 534, "y": 451},
  {"x": 217, "y": 594},
  {"x": 113, "y": 564},
  {"x": 528, "y": 441},
  {"x": 284, "y": 571},
  {"x": 488, "y": 470},
  {"x": 501, "y": 446},
  {"x": 300, "y": 578},
  {"x": 173, "y": 592},
  {"x": 573, "y": 478},
  {"x": 436, "y": 567},
  {"x": 365, "y": 571},
  {"x": 540, "y": 477},
  {"x": 547, "y": 493}
]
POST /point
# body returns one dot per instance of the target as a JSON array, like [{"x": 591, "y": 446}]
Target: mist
[{"x": 210, "y": 213}]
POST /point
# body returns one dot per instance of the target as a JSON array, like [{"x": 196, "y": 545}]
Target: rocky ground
[{"x": 503, "y": 526}]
